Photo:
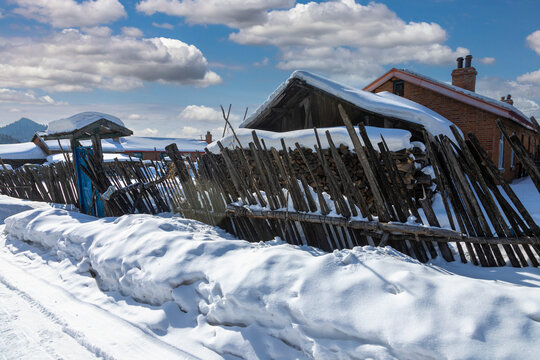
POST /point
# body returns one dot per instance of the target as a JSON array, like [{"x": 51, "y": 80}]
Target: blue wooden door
[{"x": 84, "y": 184}]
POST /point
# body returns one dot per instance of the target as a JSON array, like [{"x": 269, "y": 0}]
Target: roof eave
[{"x": 425, "y": 83}]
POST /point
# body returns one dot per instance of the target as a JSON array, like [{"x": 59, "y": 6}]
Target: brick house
[{"x": 470, "y": 111}]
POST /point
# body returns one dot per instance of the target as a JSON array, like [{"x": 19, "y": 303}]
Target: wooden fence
[{"x": 259, "y": 193}]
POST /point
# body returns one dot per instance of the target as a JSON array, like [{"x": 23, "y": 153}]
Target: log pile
[{"x": 410, "y": 164}]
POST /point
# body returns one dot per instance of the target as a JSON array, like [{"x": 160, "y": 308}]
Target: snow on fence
[{"x": 331, "y": 198}]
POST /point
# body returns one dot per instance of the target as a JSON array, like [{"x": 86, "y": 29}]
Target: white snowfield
[
  {"x": 200, "y": 292},
  {"x": 396, "y": 139}
]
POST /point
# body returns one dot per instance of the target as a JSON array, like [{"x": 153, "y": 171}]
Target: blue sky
[{"x": 165, "y": 66}]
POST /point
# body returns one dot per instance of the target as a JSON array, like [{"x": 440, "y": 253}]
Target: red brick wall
[{"x": 469, "y": 119}]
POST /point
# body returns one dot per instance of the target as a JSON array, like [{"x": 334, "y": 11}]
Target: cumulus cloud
[
  {"x": 261, "y": 63},
  {"x": 204, "y": 114},
  {"x": 163, "y": 25},
  {"x": 190, "y": 131},
  {"x": 526, "y": 96},
  {"x": 132, "y": 32},
  {"x": 530, "y": 77},
  {"x": 487, "y": 60},
  {"x": 69, "y": 13},
  {"x": 147, "y": 132},
  {"x": 72, "y": 60},
  {"x": 233, "y": 13},
  {"x": 533, "y": 77},
  {"x": 533, "y": 41},
  {"x": 347, "y": 39},
  {"x": 24, "y": 97},
  {"x": 341, "y": 38}
]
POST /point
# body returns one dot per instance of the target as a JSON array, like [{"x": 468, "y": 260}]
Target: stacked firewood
[{"x": 409, "y": 162}]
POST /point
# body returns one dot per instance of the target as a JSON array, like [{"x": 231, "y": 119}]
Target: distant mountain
[
  {"x": 22, "y": 129},
  {"x": 6, "y": 139}
]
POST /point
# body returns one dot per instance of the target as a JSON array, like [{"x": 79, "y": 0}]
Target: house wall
[{"x": 471, "y": 119}]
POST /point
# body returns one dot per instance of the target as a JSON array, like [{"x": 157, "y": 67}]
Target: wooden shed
[{"x": 308, "y": 100}]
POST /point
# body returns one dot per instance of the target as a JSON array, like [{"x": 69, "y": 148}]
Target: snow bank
[
  {"x": 274, "y": 300},
  {"x": 79, "y": 121},
  {"x": 397, "y": 139},
  {"x": 383, "y": 103}
]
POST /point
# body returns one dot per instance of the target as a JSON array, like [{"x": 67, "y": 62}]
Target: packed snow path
[
  {"x": 28, "y": 333},
  {"x": 45, "y": 321}
]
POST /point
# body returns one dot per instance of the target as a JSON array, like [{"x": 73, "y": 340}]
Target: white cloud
[
  {"x": 530, "y": 77},
  {"x": 339, "y": 23},
  {"x": 348, "y": 40},
  {"x": 163, "y": 25},
  {"x": 526, "y": 96},
  {"x": 533, "y": 40},
  {"x": 233, "y": 13},
  {"x": 134, "y": 117},
  {"x": 205, "y": 114},
  {"x": 147, "y": 132},
  {"x": 23, "y": 97},
  {"x": 132, "y": 32},
  {"x": 71, "y": 60},
  {"x": 487, "y": 60},
  {"x": 69, "y": 13},
  {"x": 533, "y": 77},
  {"x": 190, "y": 131},
  {"x": 98, "y": 31},
  {"x": 261, "y": 63}
]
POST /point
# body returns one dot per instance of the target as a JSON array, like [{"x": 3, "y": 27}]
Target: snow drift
[{"x": 274, "y": 300}]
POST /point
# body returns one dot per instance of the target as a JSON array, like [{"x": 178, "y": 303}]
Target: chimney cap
[
  {"x": 508, "y": 96},
  {"x": 459, "y": 62},
  {"x": 468, "y": 60}
]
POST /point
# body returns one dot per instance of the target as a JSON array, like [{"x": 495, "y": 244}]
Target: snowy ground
[{"x": 168, "y": 288}]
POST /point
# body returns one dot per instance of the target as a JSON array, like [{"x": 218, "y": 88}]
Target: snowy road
[
  {"x": 27, "y": 333},
  {"x": 40, "y": 320}
]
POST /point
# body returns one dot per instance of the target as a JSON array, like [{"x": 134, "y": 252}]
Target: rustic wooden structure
[
  {"x": 259, "y": 193},
  {"x": 299, "y": 104}
]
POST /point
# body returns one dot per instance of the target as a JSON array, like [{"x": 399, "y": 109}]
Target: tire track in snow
[{"x": 57, "y": 320}]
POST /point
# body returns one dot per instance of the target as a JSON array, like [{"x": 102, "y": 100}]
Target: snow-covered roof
[
  {"x": 498, "y": 107},
  {"x": 384, "y": 104},
  {"x": 396, "y": 139},
  {"x": 107, "y": 157},
  {"x": 135, "y": 143},
  {"x": 78, "y": 121},
  {"x": 21, "y": 151}
]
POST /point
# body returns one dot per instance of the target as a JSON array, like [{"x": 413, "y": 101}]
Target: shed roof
[
  {"x": 83, "y": 125},
  {"x": 385, "y": 104}
]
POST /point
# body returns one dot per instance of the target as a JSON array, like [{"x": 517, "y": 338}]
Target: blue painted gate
[{"x": 84, "y": 184}]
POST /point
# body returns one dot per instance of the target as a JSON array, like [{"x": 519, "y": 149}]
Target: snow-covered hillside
[{"x": 208, "y": 295}]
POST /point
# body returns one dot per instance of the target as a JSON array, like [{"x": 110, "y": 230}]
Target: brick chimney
[
  {"x": 464, "y": 76},
  {"x": 208, "y": 137}
]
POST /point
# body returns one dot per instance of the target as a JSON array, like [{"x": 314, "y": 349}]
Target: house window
[
  {"x": 137, "y": 155},
  {"x": 501, "y": 152},
  {"x": 399, "y": 87}
]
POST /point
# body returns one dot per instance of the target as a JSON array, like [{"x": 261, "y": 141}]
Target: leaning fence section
[
  {"x": 259, "y": 193},
  {"x": 53, "y": 183},
  {"x": 330, "y": 198}
]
